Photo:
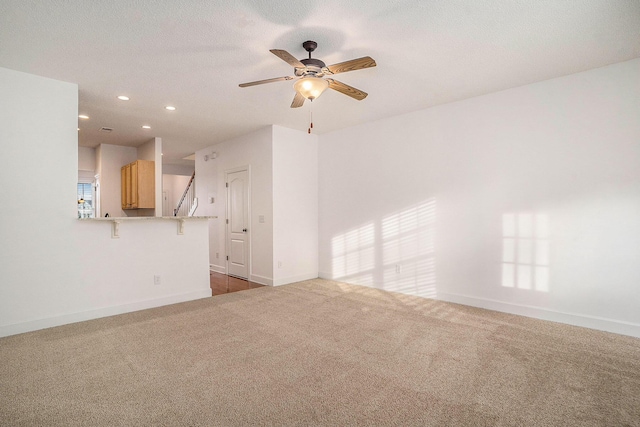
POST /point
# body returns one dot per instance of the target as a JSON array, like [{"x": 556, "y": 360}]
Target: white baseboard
[
  {"x": 218, "y": 268},
  {"x": 261, "y": 279},
  {"x": 585, "y": 321},
  {"x": 323, "y": 275},
  {"x": 34, "y": 325},
  {"x": 293, "y": 279}
]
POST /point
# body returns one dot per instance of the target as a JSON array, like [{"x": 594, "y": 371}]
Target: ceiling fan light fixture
[{"x": 311, "y": 87}]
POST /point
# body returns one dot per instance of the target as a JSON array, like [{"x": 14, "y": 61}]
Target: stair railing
[{"x": 188, "y": 202}]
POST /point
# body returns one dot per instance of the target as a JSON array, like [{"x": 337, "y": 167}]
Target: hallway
[{"x": 223, "y": 284}]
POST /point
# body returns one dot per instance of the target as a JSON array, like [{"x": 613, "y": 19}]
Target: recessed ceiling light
[
  {"x": 83, "y": 116},
  {"x": 146, "y": 127},
  {"x": 169, "y": 107},
  {"x": 123, "y": 98}
]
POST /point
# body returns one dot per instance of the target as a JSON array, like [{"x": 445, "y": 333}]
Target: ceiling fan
[{"x": 310, "y": 74}]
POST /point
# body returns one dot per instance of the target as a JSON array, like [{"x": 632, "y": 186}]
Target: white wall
[
  {"x": 54, "y": 268},
  {"x": 86, "y": 159},
  {"x": 252, "y": 150},
  {"x": 428, "y": 203},
  {"x": 178, "y": 169},
  {"x": 295, "y": 206}
]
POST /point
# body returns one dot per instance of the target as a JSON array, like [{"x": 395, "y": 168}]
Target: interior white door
[{"x": 238, "y": 223}]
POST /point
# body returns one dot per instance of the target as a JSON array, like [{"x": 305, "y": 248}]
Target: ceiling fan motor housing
[{"x": 313, "y": 66}]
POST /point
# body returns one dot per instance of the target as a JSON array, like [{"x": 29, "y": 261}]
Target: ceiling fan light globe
[{"x": 311, "y": 87}]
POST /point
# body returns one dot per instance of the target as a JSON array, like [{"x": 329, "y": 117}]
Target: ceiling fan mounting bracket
[{"x": 309, "y": 46}]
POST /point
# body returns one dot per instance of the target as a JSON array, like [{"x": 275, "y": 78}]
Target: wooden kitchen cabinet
[{"x": 138, "y": 185}]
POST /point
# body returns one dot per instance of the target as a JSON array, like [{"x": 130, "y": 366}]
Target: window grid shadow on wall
[
  {"x": 394, "y": 253},
  {"x": 525, "y": 251}
]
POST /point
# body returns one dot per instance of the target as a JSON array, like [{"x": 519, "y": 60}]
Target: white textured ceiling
[{"x": 193, "y": 54}]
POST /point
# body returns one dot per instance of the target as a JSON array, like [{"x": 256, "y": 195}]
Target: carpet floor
[{"x": 319, "y": 353}]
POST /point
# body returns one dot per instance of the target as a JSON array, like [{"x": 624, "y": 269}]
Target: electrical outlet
[
  {"x": 156, "y": 280},
  {"x": 279, "y": 264},
  {"x": 217, "y": 255},
  {"x": 398, "y": 268}
]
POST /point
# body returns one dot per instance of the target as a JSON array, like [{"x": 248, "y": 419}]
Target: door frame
[{"x": 246, "y": 168}]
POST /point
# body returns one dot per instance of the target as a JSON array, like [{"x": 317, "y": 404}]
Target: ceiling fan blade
[
  {"x": 347, "y": 90},
  {"x": 261, "y": 82},
  {"x": 298, "y": 100},
  {"x": 354, "y": 64},
  {"x": 287, "y": 57}
]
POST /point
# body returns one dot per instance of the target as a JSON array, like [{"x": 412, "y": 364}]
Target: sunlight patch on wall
[
  {"x": 408, "y": 239},
  {"x": 415, "y": 277},
  {"x": 395, "y": 253},
  {"x": 525, "y": 251},
  {"x": 354, "y": 254}
]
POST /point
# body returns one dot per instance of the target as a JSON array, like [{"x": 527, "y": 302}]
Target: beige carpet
[{"x": 319, "y": 353}]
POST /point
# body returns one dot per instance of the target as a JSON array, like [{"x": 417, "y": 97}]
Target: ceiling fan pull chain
[{"x": 310, "y": 117}]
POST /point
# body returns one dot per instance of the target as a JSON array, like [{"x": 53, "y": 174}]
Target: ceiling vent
[{"x": 104, "y": 129}]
